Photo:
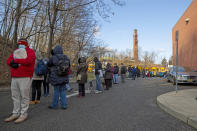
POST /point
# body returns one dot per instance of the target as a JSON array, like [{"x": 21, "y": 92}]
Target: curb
[{"x": 192, "y": 121}]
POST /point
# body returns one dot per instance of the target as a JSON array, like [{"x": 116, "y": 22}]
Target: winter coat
[
  {"x": 129, "y": 69},
  {"x": 116, "y": 69},
  {"x": 26, "y": 68},
  {"x": 108, "y": 73},
  {"x": 82, "y": 70},
  {"x": 53, "y": 64},
  {"x": 47, "y": 73},
  {"x": 133, "y": 71},
  {"x": 38, "y": 57},
  {"x": 123, "y": 69},
  {"x": 98, "y": 66}
]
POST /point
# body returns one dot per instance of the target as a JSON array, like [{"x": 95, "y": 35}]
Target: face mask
[{"x": 22, "y": 46}]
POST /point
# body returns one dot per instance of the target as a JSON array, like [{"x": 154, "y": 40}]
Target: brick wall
[{"x": 187, "y": 45}]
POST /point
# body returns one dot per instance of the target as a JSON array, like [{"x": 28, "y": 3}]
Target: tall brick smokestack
[{"x": 135, "y": 45}]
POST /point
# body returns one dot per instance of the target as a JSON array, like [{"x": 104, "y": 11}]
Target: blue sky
[{"x": 154, "y": 20}]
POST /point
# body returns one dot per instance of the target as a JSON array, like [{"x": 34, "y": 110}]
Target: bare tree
[
  {"x": 149, "y": 57},
  {"x": 164, "y": 62}
]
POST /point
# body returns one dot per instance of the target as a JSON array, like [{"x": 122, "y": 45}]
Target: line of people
[{"x": 29, "y": 69}]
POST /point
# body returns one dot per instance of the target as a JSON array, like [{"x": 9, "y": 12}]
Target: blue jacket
[
  {"x": 56, "y": 80},
  {"x": 98, "y": 66},
  {"x": 133, "y": 71}
]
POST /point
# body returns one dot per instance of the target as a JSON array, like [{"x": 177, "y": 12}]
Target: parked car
[{"x": 184, "y": 75}]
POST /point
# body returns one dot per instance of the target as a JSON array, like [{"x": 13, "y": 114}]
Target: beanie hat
[{"x": 23, "y": 41}]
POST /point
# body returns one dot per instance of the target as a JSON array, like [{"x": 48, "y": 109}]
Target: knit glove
[{"x": 13, "y": 64}]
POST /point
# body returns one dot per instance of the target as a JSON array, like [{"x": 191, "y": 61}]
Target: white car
[{"x": 184, "y": 75}]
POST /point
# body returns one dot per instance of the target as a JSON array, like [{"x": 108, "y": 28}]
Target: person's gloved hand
[{"x": 13, "y": 64}]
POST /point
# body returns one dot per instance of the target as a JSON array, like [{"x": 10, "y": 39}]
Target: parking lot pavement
[{"x": 130, "y": 106}]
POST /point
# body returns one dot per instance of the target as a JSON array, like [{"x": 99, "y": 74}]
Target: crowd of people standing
[{"x": 29, "y": 70}]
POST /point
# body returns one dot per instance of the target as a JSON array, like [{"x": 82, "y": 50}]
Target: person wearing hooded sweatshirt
[
  {"x": 133, "y": 73},
  {"x": 37, "y": 81},
  {"x": 98, "y": 68},
  {"x": 21, "y": 74},
  {"x": 108, "y": 76},
  {"x": 123, "y": 71},
  {"x": 116, "y": 72},
  {"x": 130, "y": 71},
  {"x": 82, "y": 71},
  {"x": 46, "y": 78},
  {"x": 59, "y": 82}
]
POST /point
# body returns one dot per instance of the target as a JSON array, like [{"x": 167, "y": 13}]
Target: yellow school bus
[
  {"x": 154, "y": 71},
  {"x": 146, "y": 68},
  {"x": 161, "y": 71}
]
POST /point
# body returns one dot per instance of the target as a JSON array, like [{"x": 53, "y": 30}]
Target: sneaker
[
  {"x": 32, "y": 102},
  {"x": 96, "y": 91},
  {"x": 11, "y": 118},
  {"x": 20, "y": 119},
  {"x": 37, "y": 101}
]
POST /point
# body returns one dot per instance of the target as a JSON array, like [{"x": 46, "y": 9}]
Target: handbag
[
  {"x": 100, "y": 73},
  {"x": 78, "y": 77}
]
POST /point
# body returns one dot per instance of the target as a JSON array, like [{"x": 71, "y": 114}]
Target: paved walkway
[
  {"x": 181, "y": 105},
  {"x": 129, "y": 106}
]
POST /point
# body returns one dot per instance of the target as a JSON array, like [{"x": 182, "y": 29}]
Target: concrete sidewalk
[{"x": 181, "y": 105}]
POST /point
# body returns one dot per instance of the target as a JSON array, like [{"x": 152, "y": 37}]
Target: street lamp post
[{"x": 177, "y": 39}]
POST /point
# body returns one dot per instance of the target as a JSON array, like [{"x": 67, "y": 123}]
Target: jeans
[
  {"x": 98, "y": 83},
  {"x": 122, "y": 78},
  {"x": 115, "y": 78},
  {"x": 68, "y": 87},
  {"x": 130, "y": 74},
  {"x": 59, "y": 91},
  {"x": 46, "y": 87},
  {"x": 133, "y": 75}
]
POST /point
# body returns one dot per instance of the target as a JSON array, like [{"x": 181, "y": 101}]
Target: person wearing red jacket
[{"x": 21, "y": 73}]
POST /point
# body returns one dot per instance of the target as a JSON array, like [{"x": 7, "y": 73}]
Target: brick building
[{"x": 187, "y": 44}]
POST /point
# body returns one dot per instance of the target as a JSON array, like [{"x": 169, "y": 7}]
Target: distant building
[
  {"x": 135, "y": 45},
  {"x": 187, "y": 44}
]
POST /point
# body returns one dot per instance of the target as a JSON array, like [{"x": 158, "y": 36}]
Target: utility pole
[{"x": 177, "y": 39}]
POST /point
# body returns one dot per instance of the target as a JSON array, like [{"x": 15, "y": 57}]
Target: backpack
[
  {"x": 116, "y": 70},
  {"x": 41, "y": 68},
  {"x": 63, "y": 67}
]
